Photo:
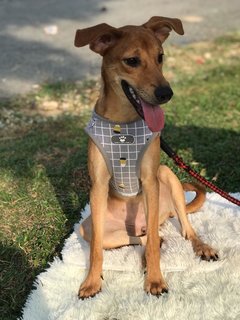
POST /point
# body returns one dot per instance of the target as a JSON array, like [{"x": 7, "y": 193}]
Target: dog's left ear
[{"x": 162, "y": 26}]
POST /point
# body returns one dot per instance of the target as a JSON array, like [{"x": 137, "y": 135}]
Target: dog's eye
[
  {"x": 160, "y": 58},
  {"x": 132, "y": 62}
]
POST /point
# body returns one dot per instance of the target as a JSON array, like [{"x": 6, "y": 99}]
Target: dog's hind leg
[
  {"x": 112, "y": 238},
  {"x": 178, "y": 208},
  {"x": 121, "y": 238}
]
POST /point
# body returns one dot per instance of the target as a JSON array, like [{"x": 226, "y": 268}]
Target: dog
[{"x": 131, "y": 193}]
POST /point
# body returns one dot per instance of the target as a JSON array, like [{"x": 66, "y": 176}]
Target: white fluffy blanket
[{"x": 197, "y": 289}]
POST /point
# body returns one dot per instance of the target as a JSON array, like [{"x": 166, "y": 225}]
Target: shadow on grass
[
  {"x": 215, "y": 150},
  {"x": 51, "y": 161},
  {"x": 16, "y": 280}
]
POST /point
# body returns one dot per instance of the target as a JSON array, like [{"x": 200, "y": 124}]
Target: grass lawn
[{"x": 43, "y": 176}]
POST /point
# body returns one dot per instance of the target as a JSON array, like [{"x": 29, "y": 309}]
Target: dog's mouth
[{"x": 153, "y": 115}]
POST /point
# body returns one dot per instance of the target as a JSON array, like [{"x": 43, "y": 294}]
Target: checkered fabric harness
[{"x": 123, "y": 146}]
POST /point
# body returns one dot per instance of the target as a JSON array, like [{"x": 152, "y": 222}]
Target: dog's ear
[
  {"x": 100, "y": 37},
  {"x": 162, "y": 26}
]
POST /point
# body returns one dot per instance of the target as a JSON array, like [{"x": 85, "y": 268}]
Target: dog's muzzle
[{"x": 152, "y": 114}]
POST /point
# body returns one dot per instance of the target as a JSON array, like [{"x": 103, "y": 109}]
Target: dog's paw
[
  {"x": 205, "y": 252},
  {"x": 89, "y": 289},
  {"x": 209, "y": 254},
  {"x": 155, "y": 287}
]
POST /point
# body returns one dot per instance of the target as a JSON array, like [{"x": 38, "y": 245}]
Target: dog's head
[{"x": 132, "y": 62}]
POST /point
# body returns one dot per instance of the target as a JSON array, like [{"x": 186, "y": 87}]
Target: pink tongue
[{"x": 154, "y": 116}]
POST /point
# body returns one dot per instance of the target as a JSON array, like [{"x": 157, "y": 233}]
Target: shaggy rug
[{"x": 197, "y": 289}]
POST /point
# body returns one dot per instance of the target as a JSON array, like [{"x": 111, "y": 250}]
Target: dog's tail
[{"x": 199, "y": 199}]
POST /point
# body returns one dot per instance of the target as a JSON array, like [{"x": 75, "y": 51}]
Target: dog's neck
[{"x": 114, "y": 106}]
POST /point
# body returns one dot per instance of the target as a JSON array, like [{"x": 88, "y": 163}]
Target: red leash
[{"x": 178, "y": 160}]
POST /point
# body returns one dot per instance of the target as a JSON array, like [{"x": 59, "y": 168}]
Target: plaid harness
[{"x": 123, "y": 146}]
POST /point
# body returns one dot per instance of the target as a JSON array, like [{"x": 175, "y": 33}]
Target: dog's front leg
[
  {"x": 154, "y": 281},
  {"x": 98, "y": 202}
]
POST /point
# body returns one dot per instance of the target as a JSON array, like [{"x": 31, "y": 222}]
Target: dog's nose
[{"x": 163, "y": 94}]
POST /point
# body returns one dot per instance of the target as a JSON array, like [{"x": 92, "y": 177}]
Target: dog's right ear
[{"x": 100, "y": 37}]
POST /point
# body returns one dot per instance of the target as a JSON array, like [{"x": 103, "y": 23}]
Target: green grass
[
  {"x": 43, "y": 174},
  {"x": 40, "y": 199}
]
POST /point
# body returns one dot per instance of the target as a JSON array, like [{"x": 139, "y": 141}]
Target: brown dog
[{"x": 129, "y": 210}]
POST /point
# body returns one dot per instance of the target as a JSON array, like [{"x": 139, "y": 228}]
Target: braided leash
[{"x": 179, "y": 162}]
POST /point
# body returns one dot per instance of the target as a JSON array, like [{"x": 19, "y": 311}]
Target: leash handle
[{"x": 181, "y": 164}]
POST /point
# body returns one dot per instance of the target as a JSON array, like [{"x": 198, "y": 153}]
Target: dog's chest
[{"x": 122, "y": 146}]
